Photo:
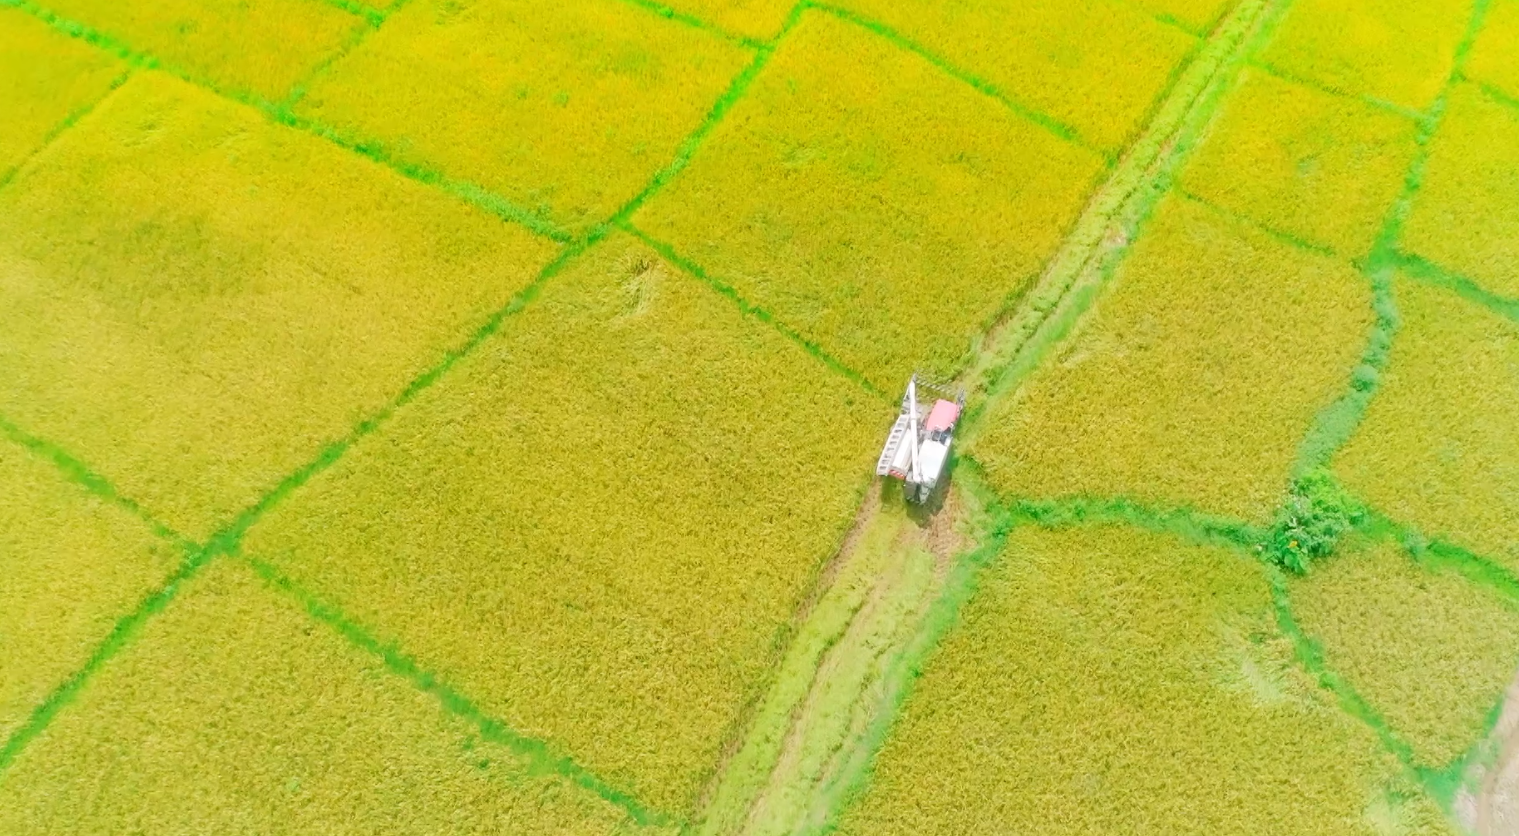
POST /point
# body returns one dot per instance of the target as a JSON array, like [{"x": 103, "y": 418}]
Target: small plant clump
[{"x": 1318, "y": 512}]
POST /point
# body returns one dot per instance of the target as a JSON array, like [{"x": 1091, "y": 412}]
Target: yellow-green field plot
[
  {"x": 591, "y": 526},
  {"x": 1430, "y": 651},
  {"x": 74, "y": 564},
  {"x": 1321, "y": 167},
  {"x": 566, "y": 108},
  {"x": 260, "y": 49},
  {"x": 882, "y": 209},
  {"x": 45, "y": 80},
  {"x": 1492, "y": 60},
  {"x": 1466, "y": 214},
  {"x": 182, "y": 307},
  {"x": 1105, "y": 680},
  {"x": 212, "y": 722},
  {"x": 1390, "y": 50},
  {"x": 1439, "y": 447},
  {"x": 1094, "y": 66},
  {"x": 1196, "y": 378}
]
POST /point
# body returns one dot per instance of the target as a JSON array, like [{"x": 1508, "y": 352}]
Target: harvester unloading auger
[{"x": 917, "y": 449}]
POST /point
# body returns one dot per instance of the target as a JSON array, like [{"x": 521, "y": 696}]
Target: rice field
[{"x": 459, "y": 416}]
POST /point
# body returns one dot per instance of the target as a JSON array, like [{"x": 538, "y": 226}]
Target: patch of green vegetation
[
  {"x": 262, "y": 49},
  {"x": 1492, "y": 59},
  {"x": 1429, "y": 650},
  {"x": 1321, "y": 167},
  {"x": 1439, "y": 446},
  {"x": 235, "y": 713},
  {"x": 73, "y": 565},
  {"x": 46, "y": 81},
  {"x": 1195, "y": 378},
  {"x": 1392, "y": 50},
  {"x": 1317, "y": 514},
  {"x": 187, "y": 311},
  {"x": 592, "y": 526},
  {"x": 881, "y": 209},
  {"x": 1466, "y": 214},
  {"x": 1105, "y": 680},
  {"x": 1093, "y": 65},
  {"x": 565, "y": 108}
]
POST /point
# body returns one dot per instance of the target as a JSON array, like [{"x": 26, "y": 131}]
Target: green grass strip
[
  {"x": 59, "y": 129},
  {"x": 1273, "y": 233},
  {"x": 1427, "y": 271},
  {"x": 356, "y": 37},
  {"x": 696, "y": 271},
  {"x": 538, "y": 753},
  {"x": 96, "y": 484},
  {"x": 125, "y": 629},
  {"x": 375, "y": 152},
  {"x": 1499, "y": 96},
  {"x": 1183, "y": 523},
  {"x": 1333, "y": 426},
  {"x": 1331, "y": 90},
  {"x": 695, "y": 23},
  {"x": 897, "y": 39}
]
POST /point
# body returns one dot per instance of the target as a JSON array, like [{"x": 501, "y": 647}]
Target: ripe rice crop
[
  {"x": 1492, "y": 59},
  {"x": 760, "y": 19},
  {"x": 565, "y": 108},
  {"x": 185, "y": 309},
  {"x": 1107, "y": 680},
  {"x": 1439, "y": 447},
  {"x": 45, "y": 78},
  {"x": 592, "y": 526},
  {"x": 260, "y": 48},
  {"x": 1321, "y": 167},
  {"x": 1198, "y": 375},
  {"x": 1431, "y": 651},
  {"x": 234, "y": 713},
  {"x": 1091, "y": 65},
  {"x": 73, "y": 564},
  {"x": 1393, "y": 50},
  {"x": 1466, "y": 215},
  {"x": 881, "y": 209}
]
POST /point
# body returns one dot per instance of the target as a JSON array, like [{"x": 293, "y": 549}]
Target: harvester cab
[{"x": 917, "y": 449}]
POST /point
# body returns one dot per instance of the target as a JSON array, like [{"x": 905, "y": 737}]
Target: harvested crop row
[
  {"x": 234, "y": 713},
  {"x": 1104, "y": 680},
  {"x": 185, "y": 308}
]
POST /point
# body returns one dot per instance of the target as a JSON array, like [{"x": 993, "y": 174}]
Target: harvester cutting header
[{"x": 917, "y": 449}]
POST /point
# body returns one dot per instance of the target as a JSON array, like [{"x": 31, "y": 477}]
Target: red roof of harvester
[{"x": 943, "y": 416}]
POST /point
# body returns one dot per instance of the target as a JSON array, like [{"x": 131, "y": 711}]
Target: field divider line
[
  {"x": 352, "y": 42},
  {"x": 92, "y": 481},
  {"x": 1336, "y": 424},
  {"x": 470, "y": 193},
  {"x": 334, "y": 451},
  {"x": 1117, "y": 213},
  {"x": 695, "y": 22},
  {"x": 1279, "y": 74},
  {"x": 125, "y": 629},
  {"x": 1043, "y": 120},
  {"x": 696, "y": 271},
  {"x": 1278, "y": 235},
  {"x": 538, "y": 753},
  {"x": 63, "y": 126},
  {"x": 1506, "y": 99},
  {"x": 1426, "y": 271},
  {"x": 370, "y": 16}
]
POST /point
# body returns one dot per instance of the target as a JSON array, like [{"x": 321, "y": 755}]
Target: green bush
[{"x": 1317, "y": 513}]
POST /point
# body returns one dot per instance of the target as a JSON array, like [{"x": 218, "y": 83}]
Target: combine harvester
[{"x": 917, "y": 449}]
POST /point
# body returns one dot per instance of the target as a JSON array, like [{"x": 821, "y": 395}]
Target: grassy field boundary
[
  {"x": 1333, "y": 427},
  {"x": 298, "y": 90},
  {"x": 1426, "y": 271},
  {"x": 695, "y": 22},
  {"x": 538, "y": 753},
  {"x": 63, "y": 125}
]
